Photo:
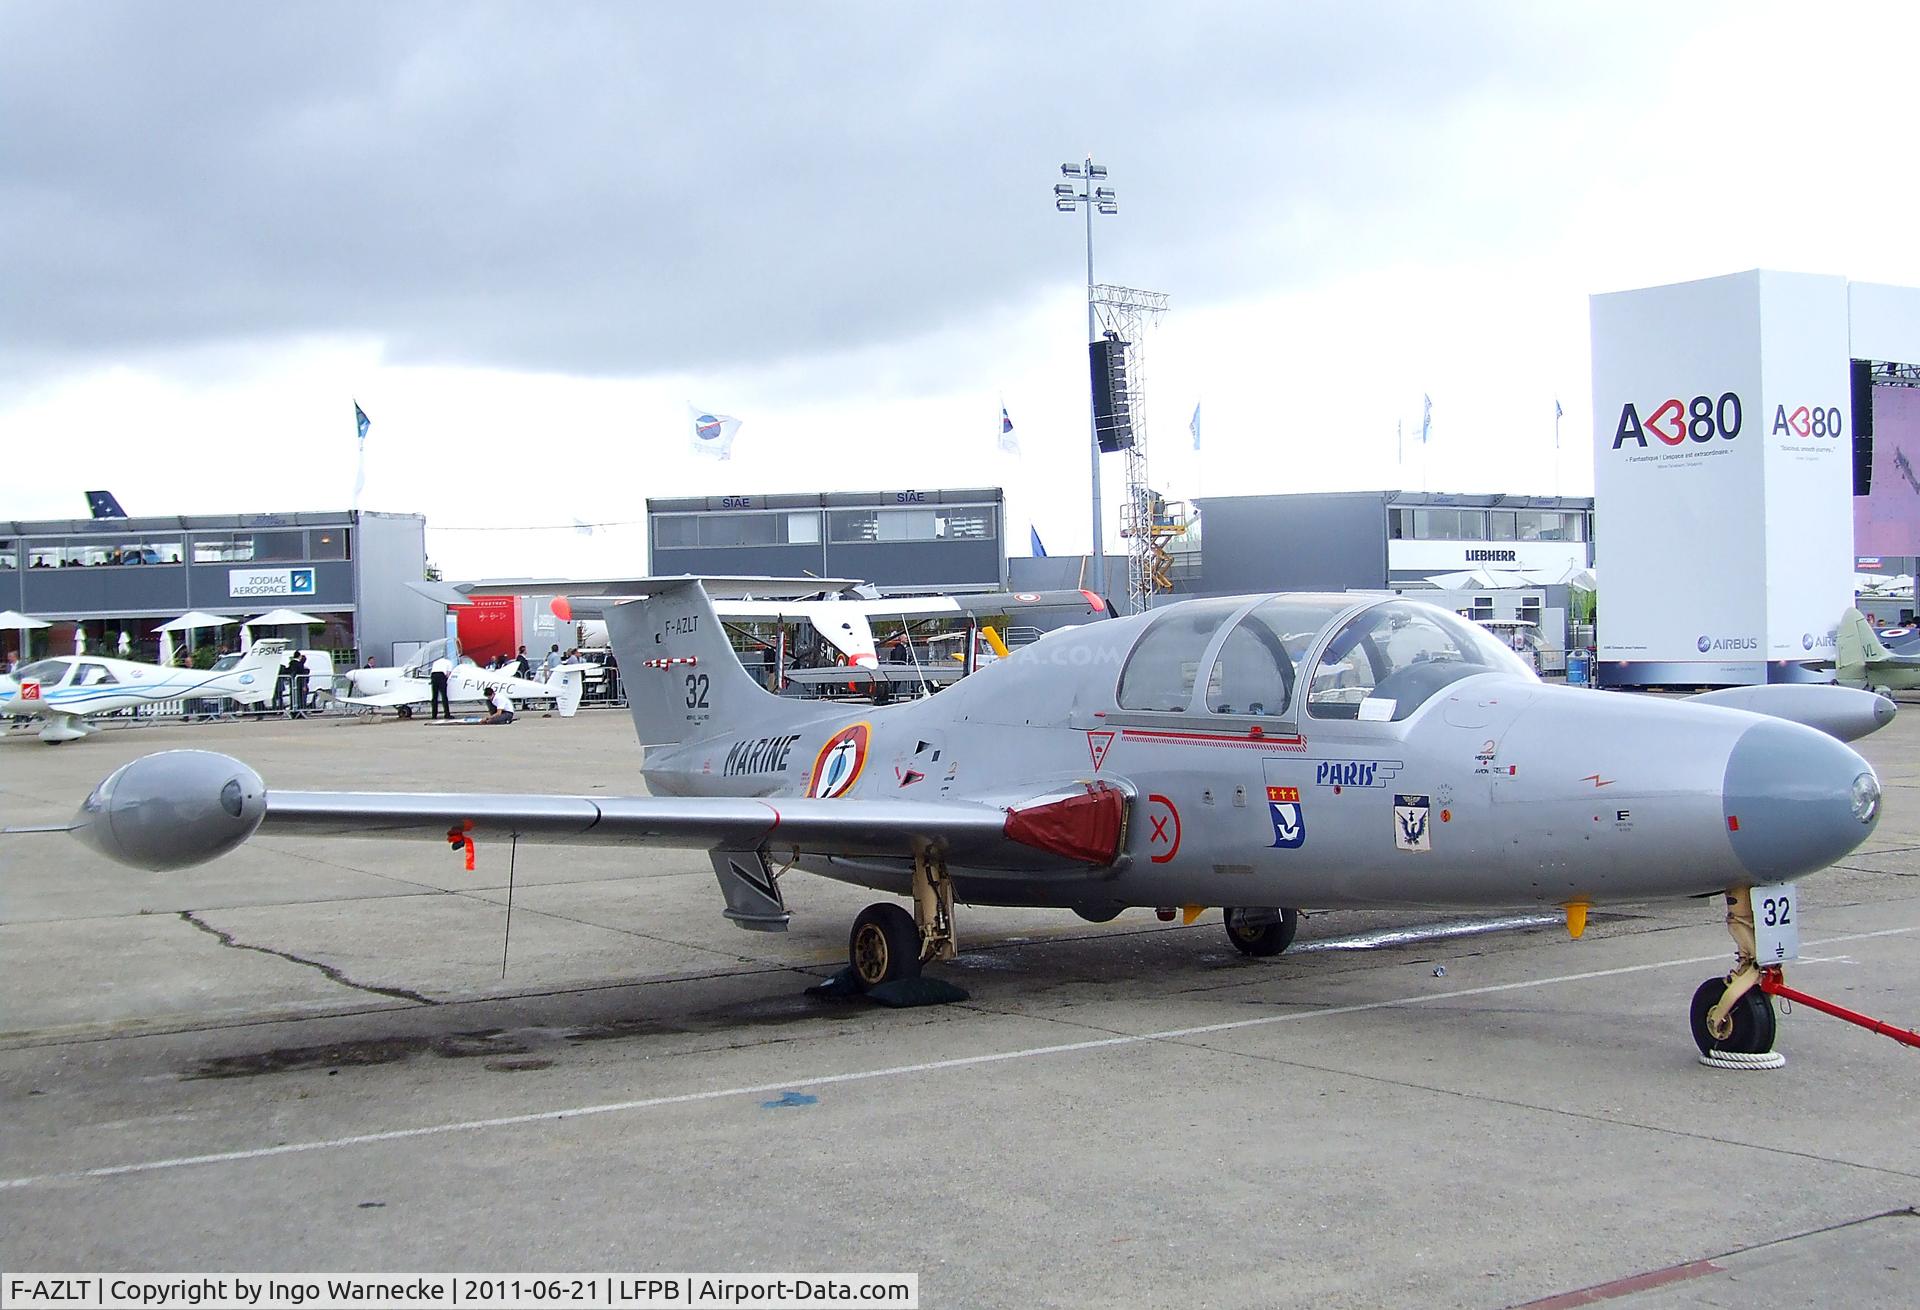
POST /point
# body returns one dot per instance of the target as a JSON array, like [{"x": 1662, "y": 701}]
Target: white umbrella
[
  {"x": 21, "y": 623},
  {"x": 281, "y": 618},
  {"x": 126, "y": 644},
  {"x": 284, "y": 619},
  {"x": 190, "y": 623}
]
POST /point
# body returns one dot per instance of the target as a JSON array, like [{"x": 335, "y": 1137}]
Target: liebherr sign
[{"x": 1723, "y": 500}]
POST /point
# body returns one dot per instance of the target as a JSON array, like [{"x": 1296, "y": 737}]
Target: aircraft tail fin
[
  {"x": 253, "y": 679},
  {"x": 682, "y": 678},
  {"x": 568, "y": 685},
  {"x": 1855, "y": 646},
  {"x": 103, "y": 506}
]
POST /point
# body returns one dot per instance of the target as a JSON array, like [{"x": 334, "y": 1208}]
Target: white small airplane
[
  {"x": 844, "y": 617},
  {"x": 63, "y": 690},
  {"x": 402, "y": 687}
]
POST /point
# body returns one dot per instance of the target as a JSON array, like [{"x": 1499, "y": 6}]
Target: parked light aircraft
[
  {"x": 63, "y": 690},
  {"x": 1861, "y": 659},
  {"x": 404, "y": 687},
  {"x": 1263, "y": 754},
  {"x": 844, "y": 618}
]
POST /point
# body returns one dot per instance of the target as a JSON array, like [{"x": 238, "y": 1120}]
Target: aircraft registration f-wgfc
[{"x": 1263, "y": 754}]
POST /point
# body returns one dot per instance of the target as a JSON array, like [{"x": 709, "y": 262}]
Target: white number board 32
[{"x": 1776, "y": 923}]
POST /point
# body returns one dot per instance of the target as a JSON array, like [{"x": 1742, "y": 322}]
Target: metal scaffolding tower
[{"x": 1147, "y": 521}]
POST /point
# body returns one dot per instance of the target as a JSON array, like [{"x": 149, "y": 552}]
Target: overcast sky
[{"x": 525, "y": 237}]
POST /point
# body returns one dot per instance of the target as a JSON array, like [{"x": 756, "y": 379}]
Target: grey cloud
[{"x": 627, "y": 189}]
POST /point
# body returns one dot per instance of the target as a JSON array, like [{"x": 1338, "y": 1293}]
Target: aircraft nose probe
[{"x": 1795, "y": 801}]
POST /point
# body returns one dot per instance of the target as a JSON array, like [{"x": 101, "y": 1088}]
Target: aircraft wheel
[
  {"x": 1884, "y": 691},
  {"x": 884, "y": 945},
  {"x": 1256, "y": 938},
  {"x": 1753, "y": 1020}
]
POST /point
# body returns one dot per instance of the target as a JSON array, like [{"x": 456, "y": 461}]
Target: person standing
[
  {"x": 297, "y": 684},
  {"x": 522, "y": 666},
  {"x": 550, "y": 663},
  {"x": 437, "y": 675}
]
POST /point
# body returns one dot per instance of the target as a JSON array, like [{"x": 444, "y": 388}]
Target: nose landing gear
[
  {"x": 1733, "y": 1022},
  {"x": 1261, "y": 931}
]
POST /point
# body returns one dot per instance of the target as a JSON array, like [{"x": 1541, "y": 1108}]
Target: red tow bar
[{"x": 1774, "y": 984}]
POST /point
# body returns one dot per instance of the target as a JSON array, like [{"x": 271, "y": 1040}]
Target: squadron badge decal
[
  {"x": 1289, "y": 822},
  {"x": 1410, "y": 822},
  {"x": 837, "y": 767}
]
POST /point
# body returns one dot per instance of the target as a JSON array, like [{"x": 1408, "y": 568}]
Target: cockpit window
[
  {"x": 48, "y": 673},
  {"x": 1386, "y": 662},
  {"x": 1259, "y": 663},
  {"x": 422, "y": 661},
  {"x": 1165, "y": 663},
  {"x": 93, "y": 675}
]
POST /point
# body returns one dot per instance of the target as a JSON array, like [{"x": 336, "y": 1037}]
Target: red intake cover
[{"x": 1085, "y": 828}]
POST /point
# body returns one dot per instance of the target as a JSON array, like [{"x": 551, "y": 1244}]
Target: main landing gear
[
  {"x": 888, "y": 944},
  {"x": 1261, "y": 931},
  {"x": 1729, "y": 1015}
]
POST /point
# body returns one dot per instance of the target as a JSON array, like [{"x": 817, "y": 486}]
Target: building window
[
  {"x": 966, "y": 523},
  {"x": 1440, "y": 524},
  {"x": 222, "y": 548},
  {"x": 1500, "y": 525},
  {"x": 1551, "y": 525},
  {"x": 9, "y": 557},
  {"x": 328, "y": 543},
  {"x": 853, "y": 524},
  {"x": 740, "y": 530},
  {"x": 44, "y": 555},
  {"x": 676, "y": 531},
  {"x": 803, "y": 527},
  {"x": 940, "y": 523},
  {"x": 280, "y": 547}
]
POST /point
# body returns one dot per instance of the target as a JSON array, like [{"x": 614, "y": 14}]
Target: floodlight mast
[{"x": 1089, "y": 197}]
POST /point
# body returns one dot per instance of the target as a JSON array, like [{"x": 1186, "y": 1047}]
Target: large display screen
[{"x": 1887, "y": 522}]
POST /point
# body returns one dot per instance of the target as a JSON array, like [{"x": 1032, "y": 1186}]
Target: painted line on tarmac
[{"x": 893, "y": 1071}]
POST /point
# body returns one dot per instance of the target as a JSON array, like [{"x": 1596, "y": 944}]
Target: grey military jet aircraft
[{"x": 1263, "y": 754}]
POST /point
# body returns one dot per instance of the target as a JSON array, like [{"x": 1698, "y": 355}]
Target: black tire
[
  {"x": 1753, "y": 1020},
  {"x": 1268, "y": 938},
  {"x": 884, "y": 945}
]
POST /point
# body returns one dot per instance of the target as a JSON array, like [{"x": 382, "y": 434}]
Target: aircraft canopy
[{"x": 1248, "y": 657}]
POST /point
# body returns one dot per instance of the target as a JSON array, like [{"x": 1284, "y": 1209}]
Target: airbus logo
[{"x": 1706, "y": 643}]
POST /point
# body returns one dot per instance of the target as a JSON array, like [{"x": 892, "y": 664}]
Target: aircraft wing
[
  {"x": 844, "y": 827},
  {"x": 869, "y": 675},
  {"x": 392, "y": 698},
  {"x": 179, "y": 808}
]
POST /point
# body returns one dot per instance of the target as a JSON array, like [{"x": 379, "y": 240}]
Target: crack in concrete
[{"x": 332, "y": 974}]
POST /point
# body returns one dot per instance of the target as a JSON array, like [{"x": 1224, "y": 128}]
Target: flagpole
[{"x": 1556, "y": 446}]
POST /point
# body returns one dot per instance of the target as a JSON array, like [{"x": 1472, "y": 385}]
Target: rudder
[
  {"x": 1855, "y": 645},
  {"x": 682, "y": 678}
]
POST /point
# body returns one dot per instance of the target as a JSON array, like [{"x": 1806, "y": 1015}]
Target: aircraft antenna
[
  {"x": 1147, "y": 521},
  {"x": 513, "y": 850}
]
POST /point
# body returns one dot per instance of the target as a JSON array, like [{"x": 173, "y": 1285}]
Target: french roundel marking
[
  {"x": 708, "y": 427},
  {"x": 840, "y": 762}
]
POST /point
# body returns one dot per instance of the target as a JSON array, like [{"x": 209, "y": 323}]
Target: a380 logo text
[{"x": 1672, "y": 422}]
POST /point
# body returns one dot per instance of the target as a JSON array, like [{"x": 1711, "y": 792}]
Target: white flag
[
  {"x": 712, "y": 434},
  {"x": 1194, "y": 427}
]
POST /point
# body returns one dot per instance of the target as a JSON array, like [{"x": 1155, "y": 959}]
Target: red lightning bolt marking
[{"x": 1597, "y": 780}]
